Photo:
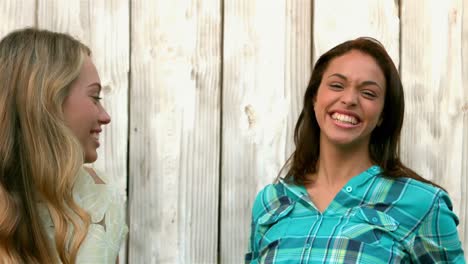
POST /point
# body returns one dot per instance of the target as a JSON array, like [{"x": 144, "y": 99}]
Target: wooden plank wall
[
  {"x": 431, "y": 65},
  {"x": 174, "y": 131},
  {"x": 253, "y": 134},
  {"x": 204, "y": 96},
  {"x": 463, "y": 214}
]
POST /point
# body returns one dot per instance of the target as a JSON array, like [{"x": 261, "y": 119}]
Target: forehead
[
  {"x": 356, "y": 64},
  {"x": 88, "y": 73}
]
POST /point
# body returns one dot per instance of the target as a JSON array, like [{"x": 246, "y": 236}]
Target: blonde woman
[{"x": 53, "y": 210}]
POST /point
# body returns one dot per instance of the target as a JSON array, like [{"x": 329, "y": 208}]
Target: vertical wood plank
[
  {"x": 62, "y": 16},
  {"x": 266, "y": 67},
  {"x": 464, "y": 171},
  {"x": 336, "y": 21},
  {"x": 175, "y": 109},
  {"x": 201, "y": 146},
  {"x": 253, "y": 92},
  {"x": 16, "y": 15},
  {"x": 431, "y": 68},
  {"x": 298, "y": 61},
  {"x": 104, "y": 27},
  {"x": 174, "y": 136}
]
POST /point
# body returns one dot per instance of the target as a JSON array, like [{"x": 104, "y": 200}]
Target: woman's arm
[{"x": 436, "y": 239}]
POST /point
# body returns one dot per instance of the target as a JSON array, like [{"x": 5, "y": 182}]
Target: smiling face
[
  {"x": 83, "y": 111},
  {"x": 350, "y": 99}
]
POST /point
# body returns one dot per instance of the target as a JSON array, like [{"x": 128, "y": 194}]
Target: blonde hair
[{"x": 39, "y": 156}]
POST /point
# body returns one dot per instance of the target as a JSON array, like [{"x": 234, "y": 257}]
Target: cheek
[
  {"x": 324, "y": 98},
  {"x": 320, "y": 114},
  {"x": 77, "y": 125},
  {"x": 375, "y": 114},
  {"x": 319, "y": 106}
]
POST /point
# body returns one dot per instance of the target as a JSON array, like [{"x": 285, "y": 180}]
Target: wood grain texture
[
  {"x": 298, "y": 62},
  {"x": 104, "y": 27},
  {"x": 16, "y": 15},
  {"x": 254, "y": 110},
  {"x": 464, "y": 141},
  {"x": 266, "y": 66},
  {"x": 431, "y": 69},
  {"x": 181, "y": 179},
  {"x": 174, "y": 136},
  {"x": 336, "y": 21}
]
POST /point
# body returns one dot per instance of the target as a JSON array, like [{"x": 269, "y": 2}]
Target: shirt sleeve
[
  {"x": 436, "y": 239},
  {"x": 252, "y": 253}
]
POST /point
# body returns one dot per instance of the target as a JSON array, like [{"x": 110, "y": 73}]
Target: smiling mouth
[
  {"x": 95, "y": 135},
  {"x": 345, "y": 119}
]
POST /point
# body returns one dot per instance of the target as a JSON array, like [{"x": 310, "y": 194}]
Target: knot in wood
[{"x": 251, "y": 117}]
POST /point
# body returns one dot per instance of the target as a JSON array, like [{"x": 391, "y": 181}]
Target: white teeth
[
  {"x": 95, "y": 136},
  {"x": 345, "y": 118}
]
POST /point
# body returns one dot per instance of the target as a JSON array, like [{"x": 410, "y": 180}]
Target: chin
[
  {"x": 347, "y": 142},
  {"x": 344, "y": 143},
  {"x": 90, "y": 157},
  {"x": 342, "y": 140}
]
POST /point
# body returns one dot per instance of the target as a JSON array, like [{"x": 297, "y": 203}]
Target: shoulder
[
  {"x": 96, "y": 180},
  {"x": 419, "y": 197},
  {"x": 430, "y": 203},
  {"x": 272, "y": 199},
  {"x": 98, "y": 176},
  {"x": 428, "y": 223},
  {"x": 96, "y": 192},
  {"x": 411, "y": 202}
]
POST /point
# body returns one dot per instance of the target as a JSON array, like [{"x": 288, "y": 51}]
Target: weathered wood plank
[
  {"x": 266, "y": 67},
  {"x": 104, "y": 27},
  {"x": 16, "y": 15},
  {"x": 175, "y": 96},
  {"x": 463, "y": 214},
  {"x": 336, "y": 21},
  {"x": 431, "y": 69},
  {"x": 298, "y": 62},
  {"x": 464, "y": 171},
  {"x": 174, "y": 136},
  {"x": 62, "y": 16}
]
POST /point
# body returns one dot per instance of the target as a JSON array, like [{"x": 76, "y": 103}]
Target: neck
[{"x": 337, "y": 164}]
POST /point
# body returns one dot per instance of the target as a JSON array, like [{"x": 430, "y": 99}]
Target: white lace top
[{"x": 105, "y": 204}]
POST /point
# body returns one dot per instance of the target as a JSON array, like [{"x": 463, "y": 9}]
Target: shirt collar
[{"x": 299, "y": 192}]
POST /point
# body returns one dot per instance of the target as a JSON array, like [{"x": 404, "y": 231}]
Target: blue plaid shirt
[{"x": 373, "y": 219}]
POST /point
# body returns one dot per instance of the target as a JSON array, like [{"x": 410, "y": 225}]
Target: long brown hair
[
  {"x": 385, "y": 139},
  {"x": 39, "y": 155}
]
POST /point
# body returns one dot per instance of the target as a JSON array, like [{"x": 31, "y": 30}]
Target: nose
[
  {"x": 349, "y": 97},
  {"x": 104, "y": 117}
]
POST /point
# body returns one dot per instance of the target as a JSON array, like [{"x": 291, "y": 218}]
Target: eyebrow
[{"x": 341, "y": 76}]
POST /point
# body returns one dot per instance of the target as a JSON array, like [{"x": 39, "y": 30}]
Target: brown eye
[
  {"x": 369, "y": 94},
  {"x": 97, "y": 99},
  {"x": 336, "y": 86}
]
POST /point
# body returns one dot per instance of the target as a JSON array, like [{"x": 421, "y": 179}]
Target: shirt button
[
  {"x": 349, "y": 189},
  {"x": 307, "y": 245},
  {"x": 375, "y": 220}
]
